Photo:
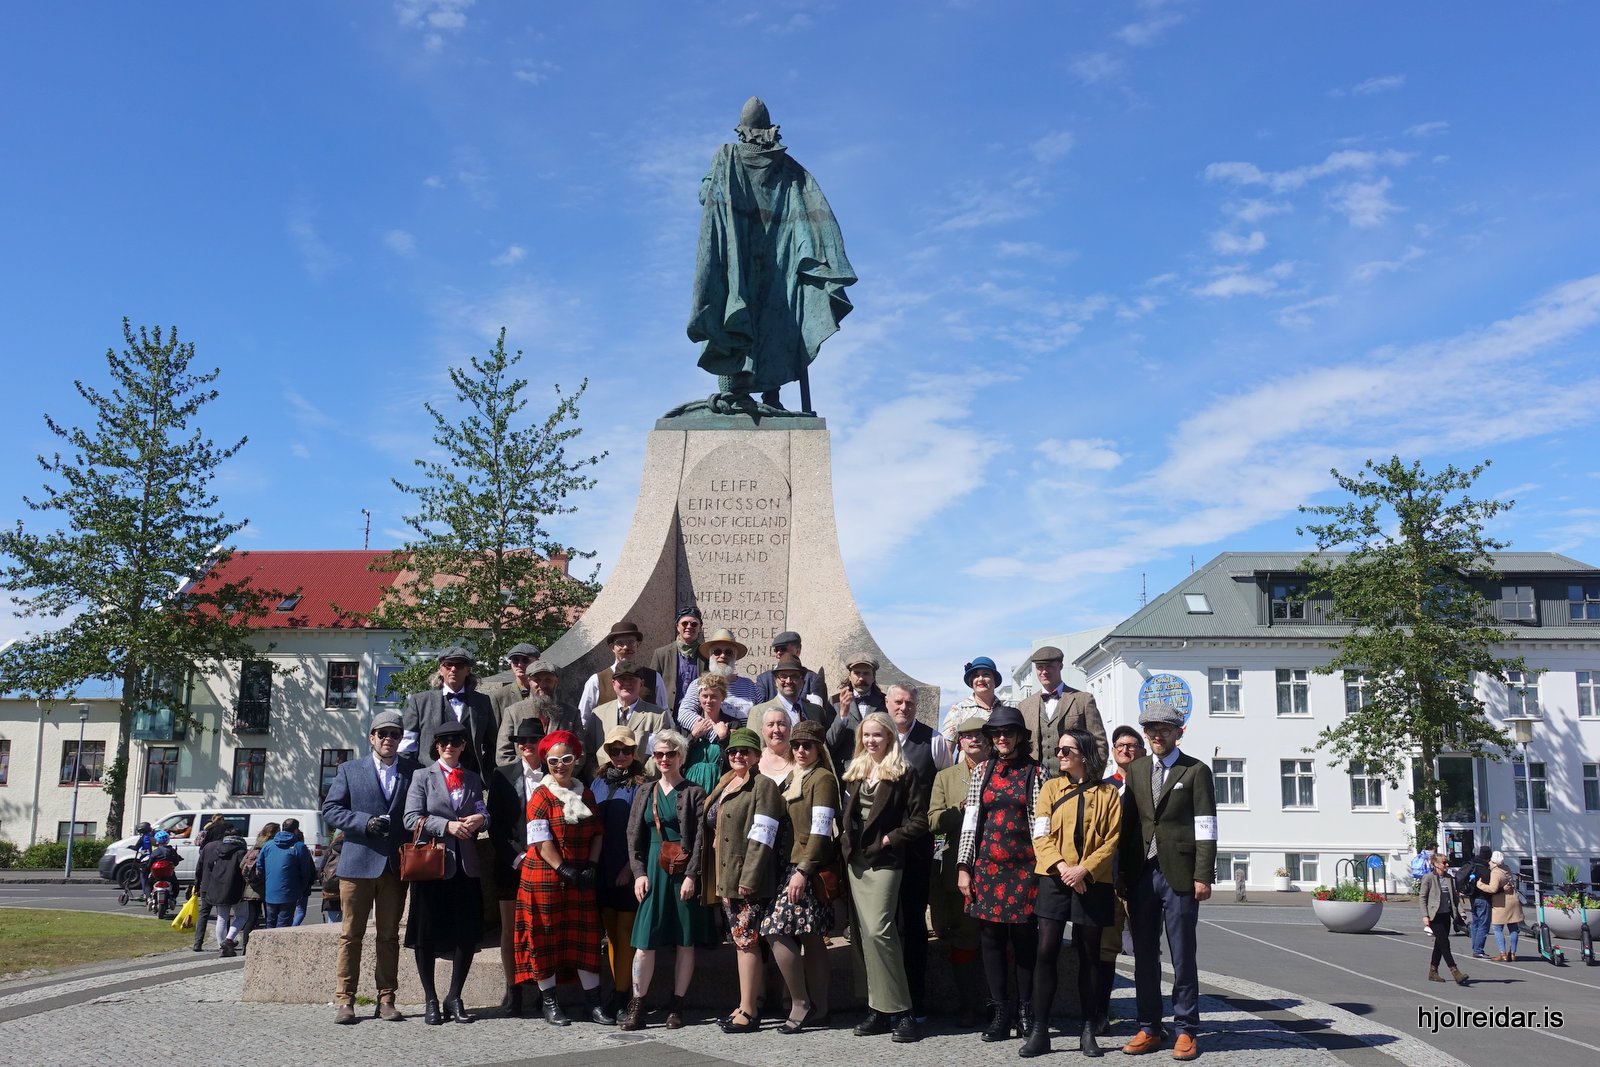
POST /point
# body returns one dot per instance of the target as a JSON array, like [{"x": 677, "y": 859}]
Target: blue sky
[{"x": 1134, "y": 276}]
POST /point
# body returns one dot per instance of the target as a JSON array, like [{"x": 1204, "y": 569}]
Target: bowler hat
[
  {"x": 529, "y": 729},
  {"x": 979, "y": 663},
  {"x": 455, "y": 652},
  {"x": 723, "y": 636},
  {"x": 625, "y": 628},
  {"x": 789, "y": 663},
  {"x": 1160, "y": 713}
]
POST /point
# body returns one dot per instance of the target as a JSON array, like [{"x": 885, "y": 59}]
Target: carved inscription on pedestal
[{"x": 734, "y": 532}]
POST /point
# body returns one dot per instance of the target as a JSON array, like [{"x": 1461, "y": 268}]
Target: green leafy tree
[
  {"x": 482, "y": 568},
  {"x": 1418, "y": 556},
  {"x": 133, "y": 526}
]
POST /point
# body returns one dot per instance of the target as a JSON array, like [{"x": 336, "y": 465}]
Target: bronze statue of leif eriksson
[{"x": 770, "y": 274}]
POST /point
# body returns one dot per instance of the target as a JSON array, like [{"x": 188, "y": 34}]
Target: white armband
[
  {"x": 1041, "y": 826},
  {"x": 539, "y": 830},
  {"x": 764, "y": 830},
  {"x": 822, "y": 821},
  {"x": 969, "y": 821},
  {"x": 1205, "y": 827}
]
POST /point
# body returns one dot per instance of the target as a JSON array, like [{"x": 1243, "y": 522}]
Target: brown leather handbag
[
  {"x": 419, "y": 861},
  {"x": 672, "y": 855}
]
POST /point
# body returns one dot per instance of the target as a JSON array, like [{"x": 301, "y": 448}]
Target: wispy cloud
[
  {"x": 316, "y": 255},
  {"x": 535, "y": 73},
  {"x": 433, "y": 181},
  {"x": 1383, "y": 83},
  {"x": 1145, "y": 32},
  {"x": 1350, "y": 159},
  {"x": 1231, "y": 282},
  {"x": 400, "y": 242},
  {"x": 1427, "y": 129},
  {"x": 1095, "y": 67},
  {"x": 1297, "y": 316},
  {"x": 305, "y": 412},
  {"x": 513, "y": 255},
  {"x": 1232, "y": 244},
  {"x": 1365, "y": 204},
  {"x": 1052, "y": 146},
  {"x": 977, "y": 205},
  {"x": 1374, "y": 268},
  {"x": 1250, "y": 212},
  {"x": 434, "y": 18},
  {"x": 1095, "y": 454}
]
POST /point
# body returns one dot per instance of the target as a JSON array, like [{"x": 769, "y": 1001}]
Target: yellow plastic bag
[{"x": 184, "y": 920}]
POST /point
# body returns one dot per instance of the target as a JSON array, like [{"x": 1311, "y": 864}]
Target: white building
[
  {"x": 1235, "y": 640},
  {"x": 261, "y": 741}
]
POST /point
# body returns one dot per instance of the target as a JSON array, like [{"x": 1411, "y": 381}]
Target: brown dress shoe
[
  {"x": 344, "y": 1015},
  {"x": 388, "y": 1012},
  {"x": 1186, "y": 1048},
  {"x": 1143, "y": 1042}
]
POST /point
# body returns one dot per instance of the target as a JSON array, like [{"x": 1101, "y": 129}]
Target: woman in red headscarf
[{"x": 558, "y": 924}]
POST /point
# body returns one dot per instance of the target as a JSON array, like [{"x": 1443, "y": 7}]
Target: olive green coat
[
  {"x": 745, "y": 834},
  {"x": 810, "y": 846}
]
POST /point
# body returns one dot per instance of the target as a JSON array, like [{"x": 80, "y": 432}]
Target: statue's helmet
[{"x": 754, "y": 114}]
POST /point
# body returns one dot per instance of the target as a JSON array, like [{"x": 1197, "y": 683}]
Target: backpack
[
  {"x": 1467, "y": 880},
  {"x": 1420, "y": 864},
  {"x": 247, "y": 866}
]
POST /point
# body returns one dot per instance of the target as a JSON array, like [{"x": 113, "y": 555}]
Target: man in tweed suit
[
  {"x": 367, "y": 801},
  {"x": 455, "y": 699},
  {"x": 1167, "y": 858},
  {"x": 1057, "y": 708}
]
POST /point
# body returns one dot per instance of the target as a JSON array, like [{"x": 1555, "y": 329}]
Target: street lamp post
[
  {"x": 1522, "y": 733},
  {"x": 77, "y": 764}
]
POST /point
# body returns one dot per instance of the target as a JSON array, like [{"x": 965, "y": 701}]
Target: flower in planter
[
  {"x": 1347, "y": 891},
  {"x": 1282, "y": 872},
  {"x": 1570, "y": 901}
]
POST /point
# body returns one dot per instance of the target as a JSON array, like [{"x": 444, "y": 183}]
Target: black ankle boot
[
  {"x": 1025, "y": 1020},
  {"x": 512, "y": 1004},
  {"x": 552, "y": 1008},
  {"x": 1087, "y": 1043},
  {"x": 455, "y": 1009},
  {"x": 1036, "y": 1042},
  {"x": 597, "y": 1011},
  {"x": 431, "y": 1015},
  {"x": 999, "y": 1027}
]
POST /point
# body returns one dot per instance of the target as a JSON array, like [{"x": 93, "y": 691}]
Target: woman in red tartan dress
[{"x": 558, "y": 918}]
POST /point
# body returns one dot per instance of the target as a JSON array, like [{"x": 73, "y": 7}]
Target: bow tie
[
  {"x": 453, "y": 779},
  {"x": 456, "y": 697}
]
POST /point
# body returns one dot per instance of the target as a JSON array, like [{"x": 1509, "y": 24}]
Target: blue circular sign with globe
[{"x": 1167, "y": 689}]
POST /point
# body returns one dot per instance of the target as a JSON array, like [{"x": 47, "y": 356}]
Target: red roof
[{"x": 323, "y": 578}]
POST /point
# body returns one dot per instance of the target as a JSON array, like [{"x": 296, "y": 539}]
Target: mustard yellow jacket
[{"x": 1054, "y": 827}]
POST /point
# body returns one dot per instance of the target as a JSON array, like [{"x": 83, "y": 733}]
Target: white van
[{"x": 119, "y": 864}]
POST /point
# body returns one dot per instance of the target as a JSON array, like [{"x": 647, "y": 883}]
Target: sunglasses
[
  {"x": 387, "y": 735},
  {"x": 451, "y": 742},
  {"x": 520, "y": 661},
  {"x": 617, "y": 750},
  {"x": 747, "y": 753},
  {"x": 1066, "y": 752},
  {"x": 1007, "y": 731},
  {"x": 561, "y": 761},
  {"x": 668, "y": 754},
  {"x": 802, "y": 744}
]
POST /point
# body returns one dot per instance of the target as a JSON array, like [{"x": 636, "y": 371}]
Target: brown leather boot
[
  {"x": 632, "y": 1017},
  {"x": 1461, "y": 979},
  {"x": 1433, "y": 975}
]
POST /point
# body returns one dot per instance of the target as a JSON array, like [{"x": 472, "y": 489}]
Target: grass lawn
[{"x": 34, "y": 939}]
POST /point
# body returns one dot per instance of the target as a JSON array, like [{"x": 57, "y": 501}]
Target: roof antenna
[
  {"x": 366, "y": 534},
  {"x": 1144, "y": 593}
]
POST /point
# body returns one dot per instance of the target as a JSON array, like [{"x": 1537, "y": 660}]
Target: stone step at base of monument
[{"x": 297, "y": 966}]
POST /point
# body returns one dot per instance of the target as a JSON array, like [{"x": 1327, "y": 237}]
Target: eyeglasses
[
  {"x": 561, "y": 761},
  {"x": 521, "y": 661},
  {"x": 1127, "y": 746},
  {"x": 744, "y": 752},
  {"x": 455, "y": 665},
  {"x": 721, "y": 653},
  {"x": 668, "y": 754},
  {"x": 387, "y": 735}
]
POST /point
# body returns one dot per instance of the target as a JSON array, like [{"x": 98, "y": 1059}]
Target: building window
[
  {"x": 1287, "y": 604},
  {"x": 1589, "y": 694},
  {"x": 1522, "y": 694},
  {"x": 1591, "y": 787},
  {"x": 1522, "y": 772},
  {"x": 1232, "y": 865},
  {"x": 5, "y": 760},
  {"x": 1583, "y": 602},
  {"x": 1546, "y": 876},
  {"x": 1516, "y": 604},
  {"x": 84, "y": 830},
  {"x": 385, "y": 690},
  {"x": 90, "y": 769},
  {"x": 1356, "y": 696},
  {"x": 1227, "y": 778},
  {"x": 1299, "y": 784},
  {"x": 161, "y": 769},
  {"x": 1294, "y": 692},
  {"x": 1366, "y": 788},
  {"x": 249, "y": 772},
  {"x": 331, "y": 758},
  {"x": 1302, "y": 867},
  {"x": 1225, "y": 684},
  {"x": 344, "y": 679}
]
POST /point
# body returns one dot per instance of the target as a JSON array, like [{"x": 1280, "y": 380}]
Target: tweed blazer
[
  {"x": 691, "y": 800},
  {"x": 354, "y": 797},
  {"x": 508, "y": 821},
  {"x": 1076, "y": 710},
  {"x": 664, "y": 661},
  {"x": 427, "y": 711},
  {"x": 1438, "y": 894},
  {"x": 842, "y": 729},
  {"x": 428, "y": 800},
  {"x": 899, "y": 812},
  {"x": 809, "y": 822},
  {"x": 1183, "y": 823},
  {"x": 744, "y": 832},
  {"x": 1102, "y": 826},
  {"x": 815, "y": 684},
  {"x": 565, "y": 718},
  {"x": 972, "y": 823},
  {"x": 945, "y": 811},
  {"x": 645, "y": 720}
]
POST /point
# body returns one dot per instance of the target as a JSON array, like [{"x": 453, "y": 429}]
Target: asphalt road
[
  {"x": 1383, "y": 976},
  {"x": 89, "y": 895}
]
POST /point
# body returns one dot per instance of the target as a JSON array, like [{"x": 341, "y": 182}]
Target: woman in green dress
[
  {"x": 708, "y": 748},
  {"x": 670, "y": 912}
]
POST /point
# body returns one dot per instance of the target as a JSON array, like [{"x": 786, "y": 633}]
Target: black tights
[
  {"x": 1441, "y": 942},
  {"x": 994, "y": 937},
  {"x": 460, "y": 964},
  {"x": 1086, "y": 941}
]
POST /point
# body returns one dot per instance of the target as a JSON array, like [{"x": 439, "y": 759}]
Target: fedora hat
[{"x": 723, "y": 636}]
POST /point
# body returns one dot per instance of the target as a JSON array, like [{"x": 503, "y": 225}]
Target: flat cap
[
  {"x": 386, "y": 720},
  {"x": 860, "y": 659},
  {"x": 788, "y": 637},
  {"x": 626, "y": 669},
  {"x": 1046, "y": 654},
  {"x": 972, "y": 724},
  {"x": 542, "y": 666},
  {"x": 523, "y": 649},
  {"x": 455, "y": 652},
  {"x": 1160, "y": 713}
]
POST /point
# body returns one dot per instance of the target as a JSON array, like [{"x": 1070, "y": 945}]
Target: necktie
[{"x": 1158, "y": 778}]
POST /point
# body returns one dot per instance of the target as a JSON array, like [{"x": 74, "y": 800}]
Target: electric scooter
[
  {"x": 1547, "y": 945},
  {"x": 1585, "y": 940}
]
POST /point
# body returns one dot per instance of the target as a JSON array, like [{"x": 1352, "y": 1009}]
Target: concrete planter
[
  {"x": 1346, "y": 916},
  {"x": 1564, "y": 924},
  {"x": 1282, "y": 884}
]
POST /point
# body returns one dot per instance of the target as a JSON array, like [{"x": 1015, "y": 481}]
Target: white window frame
[
  {"x": 1300, "y": 772},
  {"x": 1520, "y": 773},
  {"x": 1588, "y": 694},
  {"x": 1517, "y": 604},
  {"x": 1304, "y": 866},
  {"x": 1229, "y": 773},
  {"x": 1355, "y": 685},
  {"x": 1591, "y": 787},
  {"x": 1293, "y": 682},
  {"x": 1522, "y": 694},
  {"x": 1369, "y": 782},
  {"x": 1226, "y": 861},
  {"x": 1225, "y": 684}
]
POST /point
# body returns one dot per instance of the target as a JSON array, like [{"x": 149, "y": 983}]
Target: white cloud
[
  {"x": 1094, "y": 67},
  {"x": 400, "y": 242},
  {"x": 1052, "y": 146},
  {"x": 305, "y": 412},
  {"x": 1141, "y": 34},
  {"x": 513, "y": 255},
  {"x": 977, "y": 206},
  {"x": 1233, "y": 282},
  {"x": 1427, "y": 129},
  {"x": 535, "y": 73},
  {"x": 299, "y": 451},
  {"x": 433, "y": 181},
  {"x": 1383, "y": 83},
  {"x": 1370, "y": 270},
  {"x": 316, "y": 255},
  {"x": 1297, "y": 316},
  {"x": 1250, "y": 212},
  {"x": 1094, "y": 454},
  {"x": 1349, "y": 159},
  {"x": 433, "y": 17},
  {"x": 1231, "y": 244},
  {"x": 1365, "y": 204}
]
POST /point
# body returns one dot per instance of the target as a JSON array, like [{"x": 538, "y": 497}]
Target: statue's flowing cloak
[{"x": 771, "y": 270}]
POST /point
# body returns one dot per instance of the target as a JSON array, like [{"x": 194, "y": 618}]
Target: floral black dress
[{"x": 1003, "y": 885}]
